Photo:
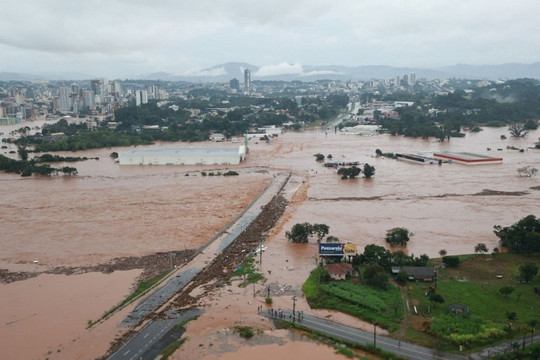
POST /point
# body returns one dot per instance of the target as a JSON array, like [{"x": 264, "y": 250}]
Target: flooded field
[{"x": 109, "y": 211}]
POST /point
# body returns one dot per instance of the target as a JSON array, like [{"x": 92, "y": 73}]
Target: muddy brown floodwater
[{"x": 111, "y": 211}]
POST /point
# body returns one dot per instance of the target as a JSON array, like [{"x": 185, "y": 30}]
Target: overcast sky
[{"x": 126, "y": 38}]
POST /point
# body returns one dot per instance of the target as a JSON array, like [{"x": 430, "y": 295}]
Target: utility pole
[
  {"x": 375, "y": 334},
  {"x": 260, "y": 255},
  {"x": 293, "y": 308}
]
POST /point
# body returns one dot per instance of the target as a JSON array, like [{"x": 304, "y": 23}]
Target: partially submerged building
[
  {"x": 184, "y": 156},
  {"x": 467, "y": 158}
]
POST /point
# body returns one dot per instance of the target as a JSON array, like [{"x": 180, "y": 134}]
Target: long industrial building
[
  {"x": 467, "y": 158},
  {"x": 184, "y": 156}
]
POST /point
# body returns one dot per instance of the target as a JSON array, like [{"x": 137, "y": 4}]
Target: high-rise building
[
  {"x": 412, "y": 79},
  {"x": 234, "y": 84},
  {"x": 89, "y": 99},
  {"x": 247, "y": 81},
  {"x": 117, "y": 88},
  {"x": 64, "y": 98},
  {"x": 94, "y": 84},
  {"x": 141, "y": 97}
]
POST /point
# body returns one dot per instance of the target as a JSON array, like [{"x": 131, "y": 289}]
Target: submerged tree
[
  {"x": 517, "y": 129},
  {"x": 349, "y": 172},
  {"x": 369, "y": 171},
  {"x": 398, "y": 236},
  {"x": 527, "y": 171}
]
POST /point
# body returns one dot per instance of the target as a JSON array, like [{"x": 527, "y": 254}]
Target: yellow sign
[{"x": 349, "y": 249}]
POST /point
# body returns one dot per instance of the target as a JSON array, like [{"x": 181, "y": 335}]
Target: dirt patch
[
  {"x": 152, "y": 266},
  {"x": 488, "y": 192},
  {"x": 420, "y": 323}
]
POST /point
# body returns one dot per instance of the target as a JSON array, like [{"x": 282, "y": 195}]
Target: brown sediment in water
[{"x": 114, "y": 212}]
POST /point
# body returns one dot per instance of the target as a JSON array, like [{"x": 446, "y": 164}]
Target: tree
[
  {"x": 299, "y": 233},
  {"x": 527, "y": 171},
  {"x": 436, "y": 298},
  {"x": 442, "y": 252},
  {"x": 531, "y": 124},
  {"x": 511, "y": 315},
  {"x": 321, "y": 230},
  {"x": 369, "y": 171},
  {"x": 332, "y": 239},
  {"x": 398, "y": 236},
  {"x": 375, "y": 254},
  {"x": 521, "y": 237},
  {"x": 481, "y": 248},
  {"x": 349, "y": 173},
  {"x": 527, "y": 271},
  {"x": 402, "y": 277},
  {"x": 506, "y": 290},
  {"x": 68, "y": 170},
  {"x": 517, "y": 129},
  {"x": 374, "y": 275},
  {"x": 451, "y": 261},
  {"x": 319, "y": 157},
  {"x": 23, "y": 153}
]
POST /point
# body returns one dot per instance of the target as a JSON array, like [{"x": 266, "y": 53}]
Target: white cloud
[
  {"x": 137, "y": 37},
  {"x": 279, "y": 69},
  {"x": 206, "y": 72},
  {"x": 321, "y": 72}
]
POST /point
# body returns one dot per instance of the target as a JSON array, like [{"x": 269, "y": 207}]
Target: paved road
[
  {"x": 150, "y": 335},
  {"x": 156, "y": 330},
  {"x": 207, "y": 254},
  {"x": 406, "y": 350},
  {"x": 160, "y": 296},
  {"x": 352, "y": 108}
]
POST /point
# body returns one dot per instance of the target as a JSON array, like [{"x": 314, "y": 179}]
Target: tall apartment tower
[
  {"x": 64, "y": 98},
  {"x": 412, "y": 79},
  {"x": 141, "y": 97},
  {"x": 247, "y": 81},
  {"x": 234, "y": 84}
]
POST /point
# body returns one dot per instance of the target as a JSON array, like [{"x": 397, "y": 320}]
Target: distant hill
[
  {"x": 289, "y": 72},
  {"x": 504, "y": 71},
  {"x": 228, "y": 71}
]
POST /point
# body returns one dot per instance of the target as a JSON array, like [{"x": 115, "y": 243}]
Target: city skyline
[{"x": 118, "y": 39}]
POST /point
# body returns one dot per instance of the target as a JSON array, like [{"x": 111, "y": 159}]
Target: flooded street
[{"x": 110, "y": 211}]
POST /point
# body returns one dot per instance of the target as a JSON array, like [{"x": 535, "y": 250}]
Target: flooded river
[{"x": 109, "y": 211}]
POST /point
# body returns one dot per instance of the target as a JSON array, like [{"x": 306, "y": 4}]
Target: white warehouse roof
[{"x": 184, "y": 156}]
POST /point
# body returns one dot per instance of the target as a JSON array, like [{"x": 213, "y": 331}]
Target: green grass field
[
  {"x": 365, "y": 302},
  {"x": 476, "y": 284}
]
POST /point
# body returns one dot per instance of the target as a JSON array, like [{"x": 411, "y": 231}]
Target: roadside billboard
[{"x": 350, "y": 249}]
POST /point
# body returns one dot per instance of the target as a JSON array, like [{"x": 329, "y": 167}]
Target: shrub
[
  {"x": 244, "y": 331},
  {"x": 451, "y": 261}
]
